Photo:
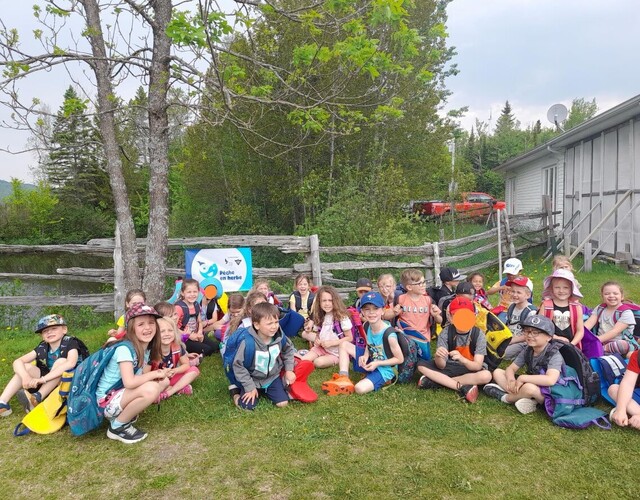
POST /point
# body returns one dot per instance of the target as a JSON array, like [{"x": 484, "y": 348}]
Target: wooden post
[
  {"x": 551, "y": 238},
  {"x": 314, "y": 259},
  {"x": 118, "y": 276},
  {"x": 429, "y": 275},
  {"x": 499, "y": 248},
  {"x": 507, "y": 233},
  {"x": 588, "y": 255},
  {"x": 436, "y": 263}
]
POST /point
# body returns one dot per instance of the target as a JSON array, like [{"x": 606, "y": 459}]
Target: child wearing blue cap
[
  {"x": 372, "y": 358},
  {"x": 57, "y": 353}
]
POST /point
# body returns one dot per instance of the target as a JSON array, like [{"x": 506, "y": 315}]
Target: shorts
[
  {"x": 111, "y": 404},
  {"x": 321, "y": 351},
  {"x": 450, "y": 370},
  {"x": 376, "y": 378},
  {"x": 276, "y": 393}
]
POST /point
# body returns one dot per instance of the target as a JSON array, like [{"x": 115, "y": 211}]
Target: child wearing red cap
[
  {"x": 517, "y": 312},
  {"x": 459, "y": 359}
]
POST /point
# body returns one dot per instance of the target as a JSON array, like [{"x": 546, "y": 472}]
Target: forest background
[{"x": 344, "y": 171}]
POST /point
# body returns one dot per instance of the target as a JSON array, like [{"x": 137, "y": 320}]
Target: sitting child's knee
[{"x": 613, "y": 391}]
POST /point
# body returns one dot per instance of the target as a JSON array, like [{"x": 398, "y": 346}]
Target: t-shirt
[
  {"x": 562, "y": 320},
  {"x": 555, "y": 362},
  {"x": 606, "y": 323},
  {"x": 505, "y": 295},
  {"x": 52, "y": 357},
  {"x": 112, "y": 374},
  {"x": 513, "y": 320},
  {"x": 633, "y": 366},
  {"x": 416, "y": 313},
  {"x": 167, "y": 361},
  {"x": 192, "y": 324},
  {"x": 376, "y": 350},
  {"x": 461, "y": 340},
  {"x": 327, "y": 332}
]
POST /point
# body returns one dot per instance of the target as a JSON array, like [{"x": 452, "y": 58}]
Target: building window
[{"x": 549, "y": 183}]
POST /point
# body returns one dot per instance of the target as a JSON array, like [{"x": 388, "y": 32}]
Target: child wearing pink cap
[{"x": 561, "y": 304}]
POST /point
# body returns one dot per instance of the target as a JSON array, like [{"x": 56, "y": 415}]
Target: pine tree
[{"x": 506, "y": 121}]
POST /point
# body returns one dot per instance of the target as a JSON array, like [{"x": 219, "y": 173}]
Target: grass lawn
[{"x": 398, "y": 442}]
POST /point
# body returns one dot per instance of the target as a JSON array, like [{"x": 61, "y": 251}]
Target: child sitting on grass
[
  {"x": 517, "y": 311},
  {"x": 271, "y": 357},
  {"x": 57, "y": 353},
  {"x": 459, "y": 359},
  {"x": 329, "y": 327},
  {"x": 373, "y": 359},
  {"x": 627, "y": 396},
  {"x": 176, "y": 360},
  {"x": 543, "y": 370},
  {"x": 561, "y": 304}
]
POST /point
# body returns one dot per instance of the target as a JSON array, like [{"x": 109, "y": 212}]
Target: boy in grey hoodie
[{"x": 273, "y": 352}]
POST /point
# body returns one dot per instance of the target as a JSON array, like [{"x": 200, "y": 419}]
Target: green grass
[{"x": 398, "y": 442}]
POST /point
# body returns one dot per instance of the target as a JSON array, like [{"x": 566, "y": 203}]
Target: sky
[{"x": 534, "y": 53}]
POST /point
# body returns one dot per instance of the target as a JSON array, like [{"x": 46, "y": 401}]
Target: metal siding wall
[
  {"x": 625, "y": 176},
  {"x": 610, "y": 183},
  {"x": 569, "y": 174},
  {"x": 636, "y": 185},
  {"x": 596, "y": 181}
]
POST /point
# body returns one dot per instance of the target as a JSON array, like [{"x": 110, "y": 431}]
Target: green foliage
[{"x": 581, "y": 110}]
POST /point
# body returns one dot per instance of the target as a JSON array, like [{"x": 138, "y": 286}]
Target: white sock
[{"x": 504, "y": 399}]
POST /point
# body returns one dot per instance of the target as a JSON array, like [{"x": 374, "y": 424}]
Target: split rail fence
[{"x": 511, "y": 236}]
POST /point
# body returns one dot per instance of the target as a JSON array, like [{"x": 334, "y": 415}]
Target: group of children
[{"x": 158, "y": 349}]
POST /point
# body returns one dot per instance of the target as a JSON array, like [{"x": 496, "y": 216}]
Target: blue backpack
[
  {"x": 610, "y": 368},
  {"x": 83, "y": 412},
  {"x": 231, "y": 347}
]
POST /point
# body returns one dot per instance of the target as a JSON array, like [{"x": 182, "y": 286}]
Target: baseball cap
[
  {"x": 364, "y": 284},
  {"x": 465, "y": 288},
  {"x": 512, "y": 266},
  {"x": 372, "y": 298},
  {"x": 461, "y": 303},
  {"x": 539, "y": 322},
  {"x": 139, "y": 309},
  {"x": 521, "y": 281},
  {"x": 450, "y": 274},
  {"x": 50, "y": 320}
]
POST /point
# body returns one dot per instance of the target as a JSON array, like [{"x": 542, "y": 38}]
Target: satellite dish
[{"x": 557, "y": 114}]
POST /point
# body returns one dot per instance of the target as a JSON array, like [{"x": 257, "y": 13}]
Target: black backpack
[
  {"x": 451, "y": 342},
  {"x": 573, "y": 357}
]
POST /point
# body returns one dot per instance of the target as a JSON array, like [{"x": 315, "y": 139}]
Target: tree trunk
[
  {"x": 107, "y": 124},
  {"x": 158, "y": 233}
]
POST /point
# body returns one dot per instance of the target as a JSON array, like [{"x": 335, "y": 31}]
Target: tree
[
  {"x": 229, "y": 73},
  {"x": 581, "y": 110},
  {"x": 506, "y": 121}
]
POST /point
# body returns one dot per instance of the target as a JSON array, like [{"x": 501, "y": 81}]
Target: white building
[{"x": 586, "y": 171}]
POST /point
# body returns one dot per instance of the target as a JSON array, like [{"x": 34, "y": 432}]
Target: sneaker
[
  {"x": 494, "y": 391},
  {"x": 339, "y": 384},
  {"x": 161, "y": 397},
  {"x": 127, "y": 434},
  {"x": 468, "y": 392},
  {"x": 27, "y": 400},
  {"x": 187, "y": 390},
  {"x": 5, "y": 410},
  {"x": 526, "y": 405},
  {"x": 426, "y": 383}
]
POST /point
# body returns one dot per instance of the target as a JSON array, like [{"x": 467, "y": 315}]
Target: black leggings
[{"x": 207, "y": 347}]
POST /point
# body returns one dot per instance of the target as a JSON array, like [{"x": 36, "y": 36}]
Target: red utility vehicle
[{"x": 472, "y": 205}]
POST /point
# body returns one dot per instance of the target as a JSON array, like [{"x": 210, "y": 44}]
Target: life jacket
[
  {"x": 42, "y": 351},
  {"x": 575, "y": 312},
  {"x": 186, "y": 316},
  {"x": 175, "y": 353},
  {"x": 298, "y": 300}
]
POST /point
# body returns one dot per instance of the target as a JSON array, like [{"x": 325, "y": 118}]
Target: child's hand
[
  {"x": 250, "y": 397},
  {"x": 435, "y": 310},
  {"x": 160, "y": 374},
  {"x": 511, "y": 386},
  {"x": 35, "y": 382},
  {"x": 620, "y": 417},
  {"x": 112, "y": 332},
  {"x": 308, "y": 325},
  {"x": 371, "y": 366},
  {"x": 170, "y": 373},
  {"x": 362, "y": 361},
  {"x": 455, "y": 355},
  {"x": 442, "y": 352},
  {"x": 289, "y": 377},
  {"x": 397, "y": 309}
]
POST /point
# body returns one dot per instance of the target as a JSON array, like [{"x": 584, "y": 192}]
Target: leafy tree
[{"x": 581, "y": 110}]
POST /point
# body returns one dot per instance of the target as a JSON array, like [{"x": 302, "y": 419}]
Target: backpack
[
  {"x": 498, "y": 339},
  {"x": 564, "y": 403},
  {"x": 573, "y": 357},
  {"x": 231, "y": 347},
  {"x": 575, "y": 311},
  {"x": 42, "y": 350},
  {"x": 626, "y": 306},
  {"x": 524, "y": 314},
  {"x": 298, "y": 299},
  {"x": 184, "y": 320},
  {"x": 409, "y": 348},
  {"x": 83, "y": 412},
  {"x": 610, "y": 369},
  {"x": 451, "y": 338}
]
